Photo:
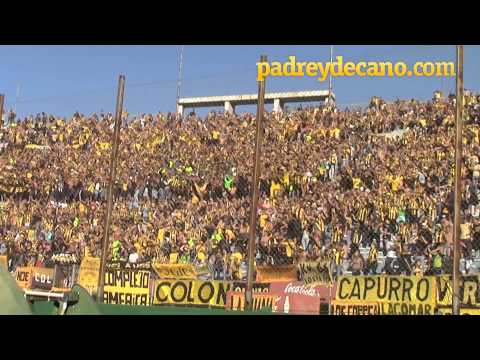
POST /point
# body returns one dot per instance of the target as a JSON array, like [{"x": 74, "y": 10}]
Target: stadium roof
[{"x": 250, "y": 99}]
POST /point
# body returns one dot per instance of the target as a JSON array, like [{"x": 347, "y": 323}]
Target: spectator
[
  {"x": 418, "y": 269},
  {"x": 357, "y": 263},
  {"x": 372, "y": 262},
  {"x": 437, "y": 263}
]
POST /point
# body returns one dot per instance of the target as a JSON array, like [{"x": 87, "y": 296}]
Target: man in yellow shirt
[
  {"x": 160, "y": 236},
  {"x": 357, "y": 183},
  {"x": 336, "y": 133},
  {"x": 235, "y": 262},
  {"x": 274, "y": 189},
  {"x": 215, "y": 136},
  {"x": 263, "y": 220},
  {"x": 396, "y": 183},
  {"x": 288, "y": 247}
]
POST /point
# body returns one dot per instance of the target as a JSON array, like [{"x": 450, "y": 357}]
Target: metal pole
[
  {"x": 180, "y": 68},
  {"x": 330, "y": 85},
  {"x": 458, "y": 184},
  {"x": 330, "y": 299},
  {"x": 2, "y": 99},
  {"x": 255, "y": 192},
  {"x": 113, "y": 172},
  {"x": 72, "y": 279}
]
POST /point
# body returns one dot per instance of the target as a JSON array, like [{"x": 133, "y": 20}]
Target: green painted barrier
[
  {"x": 108, "y": 309},
  {"x": 51, "y": 308},
  {"x": 85, "y": 304},
  {"x": 41, "y": 307},
  {"x": 12, "y": 298}
]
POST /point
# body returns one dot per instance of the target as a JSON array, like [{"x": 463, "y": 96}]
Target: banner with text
[
  {"x": 197, "y": 292},
  {"x": 175, "y": 271},
  {"x": 118, "y": 265},
  {"x": 89, "y": 274},
  {"x": 42, "y": 278},
  {"x": 397, "y": 295},
  {"x": 23, "y": 275},
  {"x": 127, "y": 287},
  {"x": 300, "y": 299},
  {"x": 469, "y": 291},
  {"x": 236, "y": 301},
  {"x": 315, "y": 272},
  {"x": 352, "y": 308}
]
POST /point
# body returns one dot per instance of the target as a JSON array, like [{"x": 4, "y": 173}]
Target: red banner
[{"x": 299, "y": 299}]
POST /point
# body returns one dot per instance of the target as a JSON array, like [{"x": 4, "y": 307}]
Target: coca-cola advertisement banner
[{"x": 297, "y": 298}]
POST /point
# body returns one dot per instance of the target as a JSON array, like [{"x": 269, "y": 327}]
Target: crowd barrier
[{"x": 177, "y": 285}]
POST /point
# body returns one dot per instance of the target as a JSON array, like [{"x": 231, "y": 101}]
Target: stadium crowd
[{"x": 336, "y": 184}]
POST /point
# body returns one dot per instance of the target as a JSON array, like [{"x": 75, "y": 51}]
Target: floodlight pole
[
  {"x": 180, "y": 71},
  {"x": 330, "y": 85},
  {"x": 458, "y": 183},
  {"x": 255, "y": 192},
  {"x": 113, "y": 173}
]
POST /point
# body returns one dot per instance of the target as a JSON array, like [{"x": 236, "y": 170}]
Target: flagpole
[
  {"x": 458, "y": 183},
  {"x": 330, "y": 85},
  {"x": 255, "y": 191},
  {"x": 113, "y": 173},
  {"x": 180, "y": 71}
]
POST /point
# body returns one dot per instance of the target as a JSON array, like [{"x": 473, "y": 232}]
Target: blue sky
[{"x": 63, "y": 79}]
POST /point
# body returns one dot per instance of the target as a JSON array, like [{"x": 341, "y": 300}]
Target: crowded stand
[{"x": 370, "y": 190}]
